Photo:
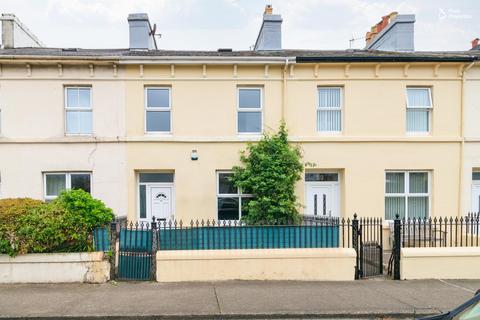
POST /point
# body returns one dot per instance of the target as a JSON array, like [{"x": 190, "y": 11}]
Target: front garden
[{"x": 65, "y": 224}]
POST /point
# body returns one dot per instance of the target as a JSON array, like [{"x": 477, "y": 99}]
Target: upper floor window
[
  {"x": 158, "y": 109},
  {"x": 419, "y": 105},
  {"x": 78, "y": 109},
  {"x": 249, "y": 110},
  {"x": 56, "y": 182},
  {"x": 407, "y": 193},
  {"x": 329, "y": 109},
  {"x": 231, "y": 202}
]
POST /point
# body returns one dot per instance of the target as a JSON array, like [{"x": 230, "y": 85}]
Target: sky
[{"x": 212, "y": 24}]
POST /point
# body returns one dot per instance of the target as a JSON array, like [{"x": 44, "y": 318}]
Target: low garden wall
[
  {"x": 55, "y": 268},
  {"x": 440, "y": 263},
  {"x": 326, "y": 264}
]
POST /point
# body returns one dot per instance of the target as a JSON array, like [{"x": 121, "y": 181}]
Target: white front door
[
  {"x": 322, "y": 199},
  {"x": 476, "y": 197},
  {"x": 159, "y": 202}
]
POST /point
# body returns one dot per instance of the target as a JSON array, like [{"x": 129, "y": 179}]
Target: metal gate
[
  {"x": 136, "y": 254},
  {"x": 132, "y": 248},
  {"x": 368, "y": 243}
]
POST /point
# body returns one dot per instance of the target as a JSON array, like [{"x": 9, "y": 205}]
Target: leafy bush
[
  {"x": 10, "y": 211},
  {"x": 63, "y": 225},
  {"x": 271, "y": 168}
]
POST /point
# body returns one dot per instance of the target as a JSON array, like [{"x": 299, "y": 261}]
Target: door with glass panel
[
  {"x": 159, "y": 202},
  {"x": 407, "y": 193},
  {"x": 156, "y": 196},
  {"x": 322, "y": 194}
]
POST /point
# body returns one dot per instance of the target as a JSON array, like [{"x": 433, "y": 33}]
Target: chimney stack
[
  {"x": 16, "y": 35},
  {"x": 395, "y": 32},
  {"x": 141, "y": 34},
  {"x": 475, "y": 44},
  {"x": 270, "y": 35}
]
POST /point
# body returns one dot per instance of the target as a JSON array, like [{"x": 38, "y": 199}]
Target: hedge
[{"x": 62, "y": 225}]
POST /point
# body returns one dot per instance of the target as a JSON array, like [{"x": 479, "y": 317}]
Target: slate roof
[{"x": 300, "y": 55}]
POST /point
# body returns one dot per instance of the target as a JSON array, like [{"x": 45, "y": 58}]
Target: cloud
[{"x": 210, "y": 24}]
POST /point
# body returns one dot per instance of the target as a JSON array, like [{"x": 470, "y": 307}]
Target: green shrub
[
  {"x": 10, "y": 212},
  {"x": 63, "y": 225},
  {"x": 270, "y": 170}
]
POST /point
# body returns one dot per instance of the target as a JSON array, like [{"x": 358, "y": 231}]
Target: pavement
[{"x": 373, "y": 298}]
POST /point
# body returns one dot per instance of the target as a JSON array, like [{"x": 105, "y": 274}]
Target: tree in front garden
[{"x": 269, "y": 171}]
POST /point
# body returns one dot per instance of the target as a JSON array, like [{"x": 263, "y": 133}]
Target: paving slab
[{"x": 235, "y": 299}]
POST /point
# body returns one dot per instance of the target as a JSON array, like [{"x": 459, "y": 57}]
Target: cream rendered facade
[
  {"x": 33, "y": 139},
  {"x": 471, "y": 163},
  {"x": 373, "y": 138}
]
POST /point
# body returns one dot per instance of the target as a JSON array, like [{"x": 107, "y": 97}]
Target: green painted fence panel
[
  {"x": 248, "y": 237},
  {"x": 101, "y": 239}
]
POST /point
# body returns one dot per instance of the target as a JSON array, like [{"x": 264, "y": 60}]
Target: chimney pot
[
  {"x": 475, "y": 43},
  {"x": 393, "y": 33},
  {"x": 268, "y": 9}
]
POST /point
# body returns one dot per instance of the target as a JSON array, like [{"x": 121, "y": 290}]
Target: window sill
[
  {"x": 419, "y": 134},
  {"x": 79, "y": 135},
  {"x": 249, "y": 136},
  {"x": 329, "y": 133},
  {"x": 158, "y": 133}
]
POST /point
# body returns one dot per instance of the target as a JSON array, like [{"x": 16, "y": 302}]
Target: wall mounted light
[{"x": 194, "y": 155}]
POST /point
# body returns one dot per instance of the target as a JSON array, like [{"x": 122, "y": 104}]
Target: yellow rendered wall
[
  {"x": 440, "y": 263},
  {"x": 256, "y": 264},
  {"x": 373, "y": 140},
  {"x": 472, "y": 134}
]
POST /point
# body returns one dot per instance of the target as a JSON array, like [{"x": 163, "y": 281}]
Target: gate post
[
  {"x": 355, "y": 233},
  {"x": 153, "y": 265},
  {"x": 396, "y": 247},
  {"x": 380, "y": 265},
  {"x": 113, "y": 250}
]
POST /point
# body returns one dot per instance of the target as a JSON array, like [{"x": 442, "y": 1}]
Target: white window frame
[
  {"x": 78, "y": 109},
  {"x": 318, "y": 109},
  {"x": 68, "y": 181},
  {"x": 475, "y": 184},
  {"x": 239, "y": 195},
  {"x": 406, "y": 192},
  {"x": 250, "y": 109},
  {"x": 428, "y": 109},
  {"x": 158, "y": 109}
]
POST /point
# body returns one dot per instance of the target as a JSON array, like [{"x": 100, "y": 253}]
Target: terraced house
[{"x": 155, "y": 132}]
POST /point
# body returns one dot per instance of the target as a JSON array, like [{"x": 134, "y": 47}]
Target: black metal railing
[
  {"x": 430, "y": 233},
  {"x": 440, "y": 232},
  {"x": 133, "y": 245}
]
